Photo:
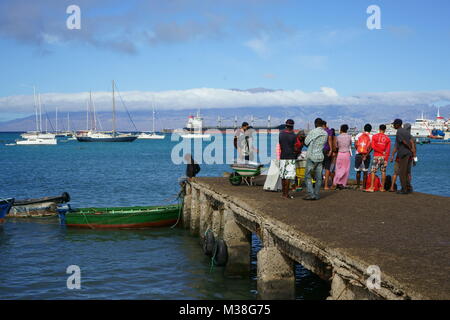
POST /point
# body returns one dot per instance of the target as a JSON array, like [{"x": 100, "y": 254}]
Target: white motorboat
[
  {"x": 151, "y": 135},
  {"x": 36, "y": 134},
  {"x": 37, "y": 141},
  {"x": 196, "y": 136}
]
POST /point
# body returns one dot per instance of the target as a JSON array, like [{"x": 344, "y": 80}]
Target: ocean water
[{"x": 165, "y": 263}]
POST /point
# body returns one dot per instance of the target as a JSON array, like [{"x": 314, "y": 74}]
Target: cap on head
[
  {"x": 290, "y": 123},
  {"x": 397, "y": 122},
  {"x": 244, "y": 124}
]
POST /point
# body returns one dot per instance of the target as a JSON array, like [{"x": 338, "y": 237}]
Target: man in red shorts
[{"x": 381, "y": 145}]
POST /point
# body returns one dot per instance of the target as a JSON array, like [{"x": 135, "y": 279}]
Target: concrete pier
[{"x": 368, "y": 246}]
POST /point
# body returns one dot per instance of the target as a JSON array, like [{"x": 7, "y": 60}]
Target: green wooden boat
[{"x": 120, "y": 217}]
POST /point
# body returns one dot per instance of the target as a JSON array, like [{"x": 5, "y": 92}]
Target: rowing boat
[
  {"x": 119, "y": 217},
  {"x": 39, "y": 207}
]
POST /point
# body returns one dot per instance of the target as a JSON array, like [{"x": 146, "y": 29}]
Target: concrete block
[{"x": 276, "y": 277}]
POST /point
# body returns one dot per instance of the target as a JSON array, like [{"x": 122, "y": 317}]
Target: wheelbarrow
[{"x": 245, "y": 172}]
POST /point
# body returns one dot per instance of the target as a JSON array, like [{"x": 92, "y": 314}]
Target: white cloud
[
  {"x": 208, "y": 98},
  {"x": 259, "y": 46}
]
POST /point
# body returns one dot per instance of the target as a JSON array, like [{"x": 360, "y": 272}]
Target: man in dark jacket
[
  {"x": 192, "y": 168},
  {"x": 405, "y": 152}
]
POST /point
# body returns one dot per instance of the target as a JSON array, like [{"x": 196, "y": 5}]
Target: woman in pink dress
[{"x": 343, "y": 146}]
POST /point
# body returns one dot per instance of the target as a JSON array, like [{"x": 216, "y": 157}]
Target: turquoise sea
[{"x": 129, "y": 264}]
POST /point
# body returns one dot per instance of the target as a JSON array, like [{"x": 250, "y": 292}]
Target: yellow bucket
[{"x": 300, "y": 174}]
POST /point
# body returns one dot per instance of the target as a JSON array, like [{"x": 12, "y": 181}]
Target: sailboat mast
[
  {"x": 153, "y": 118},
  {"x": 68, "y": 125},
  {"x": 114, "y": 110},
  {"x": 40, "y": 113},
  {"x": 92, "y": 111},
  {"x": 35, "y": 109},
  {"x": 56, "y": 121},
  {"x": 87, "y": 115}
]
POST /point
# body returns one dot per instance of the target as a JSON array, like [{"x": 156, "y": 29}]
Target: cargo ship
[{"x": 194, "y": 125}]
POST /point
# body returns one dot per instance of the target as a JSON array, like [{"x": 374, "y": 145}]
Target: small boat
[
  {"x": 196, "y": 136},
  {"x": 119, "y": 217},
  {"x": 37, "y": 141},
  {"x": 5, "y": 206},
  {"x": 151, "y": 136},
  {"x": 40, "y": 207}
]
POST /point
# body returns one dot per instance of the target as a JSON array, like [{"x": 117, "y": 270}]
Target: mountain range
[{"x": 354, "y": 116}]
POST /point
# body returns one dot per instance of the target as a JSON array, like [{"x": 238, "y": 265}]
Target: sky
[{"x": 189, "y": 53}]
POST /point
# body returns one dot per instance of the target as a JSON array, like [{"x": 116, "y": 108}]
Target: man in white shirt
[{"x": 241, "y": 143}]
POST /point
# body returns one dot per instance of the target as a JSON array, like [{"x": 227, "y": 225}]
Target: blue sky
[{"x": 181, "y": 45}]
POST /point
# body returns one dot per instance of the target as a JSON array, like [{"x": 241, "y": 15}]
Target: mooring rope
[
  {"x": 180, "y": 210},
  {"x": 212, "y": 259}
]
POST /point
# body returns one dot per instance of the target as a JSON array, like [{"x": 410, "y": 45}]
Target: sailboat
[
  {"x": 152, "y": 134},
  {"x": 37, "y": 137},
  {"x": 113, "y": 136}
]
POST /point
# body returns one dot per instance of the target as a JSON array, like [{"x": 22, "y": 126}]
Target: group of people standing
[{"x": 332, "y": 153}]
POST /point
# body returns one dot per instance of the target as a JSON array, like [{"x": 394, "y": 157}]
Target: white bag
[{"x": 273, "y": 180}]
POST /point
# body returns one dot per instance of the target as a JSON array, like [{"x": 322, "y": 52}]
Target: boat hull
[
  {"x": 112, "y": 139},
  {"x": 123, "y": 217},
  {"x": 32, "y": 142},
  {"x": 196, "y": 136},
  {"x": 40, "y": 207},
  {"x": 5, "y": 206},
  {"x": 151, "y": 137}
]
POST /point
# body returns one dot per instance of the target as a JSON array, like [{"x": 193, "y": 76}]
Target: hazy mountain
[{"x": 335, "y": 115}]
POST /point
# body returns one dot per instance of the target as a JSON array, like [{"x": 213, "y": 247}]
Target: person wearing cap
[
  {"x": 288, "y": 155},
  {"x": 405, "y": 151},
  {"x": 315, "y": 142},
  {"x": 407, "y": 127},
  {"x": 240, "y": 142}
]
